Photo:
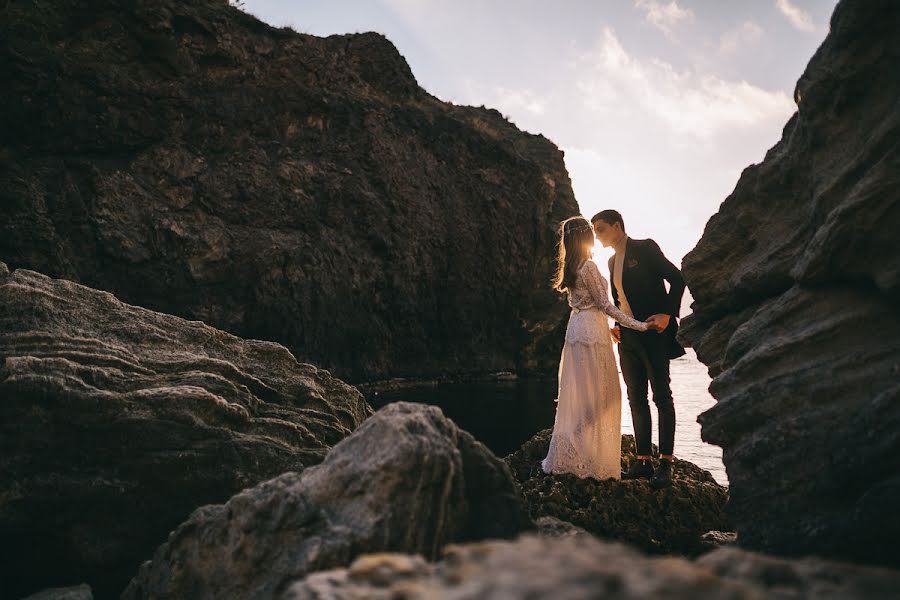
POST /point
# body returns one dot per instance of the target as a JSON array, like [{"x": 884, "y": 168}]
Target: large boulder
[
  {"x": 408, "y": 480},
  {"x": 194, "y": 160},
  {"x": 672, "y": 520},
  {"x": 796, "y": 284},
  {"x": 584, "y": 567},
  {"x": 116, "y": 422}
]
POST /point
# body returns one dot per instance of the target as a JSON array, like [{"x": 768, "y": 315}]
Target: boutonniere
[{"x": 631, "y": 263}]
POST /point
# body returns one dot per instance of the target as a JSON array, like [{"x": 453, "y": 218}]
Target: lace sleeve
[{"x": 597, "y": 287}]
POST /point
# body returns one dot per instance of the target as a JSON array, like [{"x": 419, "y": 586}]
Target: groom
[{"x": 637, "y": 270}]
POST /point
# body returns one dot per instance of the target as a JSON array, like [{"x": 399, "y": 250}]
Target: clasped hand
[{"x": 658, "y": 322}]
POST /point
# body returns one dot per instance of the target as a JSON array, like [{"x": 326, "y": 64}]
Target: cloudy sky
[{"x": 657, "y": 104}]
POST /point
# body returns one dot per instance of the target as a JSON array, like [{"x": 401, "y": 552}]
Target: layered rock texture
[
  {"x": 116, "y": 422},
  {"x": 194, "y": 160},
  {"x": 584, "y": 567},
  {"x": 796, "y": 284},
  {"x": 672, "y": 520},
  {"x": 408, "y": 480}
]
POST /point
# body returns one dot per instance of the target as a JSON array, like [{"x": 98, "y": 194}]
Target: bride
[{"x": 586, "y": 437}]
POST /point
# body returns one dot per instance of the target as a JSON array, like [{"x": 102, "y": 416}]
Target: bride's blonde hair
[{"x": 576, "y": 240}]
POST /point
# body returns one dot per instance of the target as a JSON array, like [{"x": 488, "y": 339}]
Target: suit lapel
[
  {"x": 629, "y": 249},
  {"x": 612, "y": 265}
]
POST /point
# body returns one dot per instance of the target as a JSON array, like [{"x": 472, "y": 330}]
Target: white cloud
[
  {"x": 512, "y": 101},
  {"x": 525, "y": 107},
  {"x": 665, "y": 16},
  {"x": 798, "y": 17},
  {"x": 688, "y": 103},
  {"x": 747, "y": 32}
]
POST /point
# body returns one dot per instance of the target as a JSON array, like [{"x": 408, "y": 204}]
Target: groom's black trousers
[{"x": 644, "y": 360}]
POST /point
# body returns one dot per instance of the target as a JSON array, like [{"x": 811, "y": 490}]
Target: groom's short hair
[{"x": 610, "y": 217}]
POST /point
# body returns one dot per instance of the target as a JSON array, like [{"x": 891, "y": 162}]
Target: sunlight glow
[{"x": 601, "y": 255}]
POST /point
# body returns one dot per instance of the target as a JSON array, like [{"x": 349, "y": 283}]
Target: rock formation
[
  {"x": 116, "y": 422},
  {"x": 408, "y": 480},
  {"x": 796, "y": 284},
  {"x": 79, "y": 592},
  {"x": 673, "y": 520},
  {"x": 584, "y": 567},
  {"x": 194, "y": 160}
]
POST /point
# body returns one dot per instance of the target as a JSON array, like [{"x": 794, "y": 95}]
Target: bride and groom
[{"x": 586, "y": 437}]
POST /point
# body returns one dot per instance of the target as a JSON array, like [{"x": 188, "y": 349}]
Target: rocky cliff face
[
  {"x": 797, "y": 284},
  {"x": 280, "y": 186},
  {"x": 116, "y": 422}
]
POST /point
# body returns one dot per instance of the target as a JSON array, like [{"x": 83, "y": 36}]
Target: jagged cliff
[
  {"x": 796, "y": 283},
  {"x": 194, "y": 160}
]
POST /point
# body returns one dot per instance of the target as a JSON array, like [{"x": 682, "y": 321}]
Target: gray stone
[
  {"x": 78, "y": 592},
  {"x": 714, "y": 539},
  {"x": 552, "y": 527},
  {"x": 408, "y": 480},
  {"x": 584, "y": 567}
]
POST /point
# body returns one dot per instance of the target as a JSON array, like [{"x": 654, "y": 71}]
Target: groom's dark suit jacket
[{"x": 643, "y": 273}]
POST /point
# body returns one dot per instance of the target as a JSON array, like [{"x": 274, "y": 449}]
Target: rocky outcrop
[
  {"x": 673, "y": 520},
  {"x": 193, "y": 160},
  {"x": 796, "y": 284},
  {"x": 408, "y": 480},
  {"x": 554, "y": 528},
  {"x": 116, "y": 422},
  {"x": 584, "y": 567},
  {"x": 78, "y": 592}
]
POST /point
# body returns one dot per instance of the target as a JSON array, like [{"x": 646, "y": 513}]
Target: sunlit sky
[{"x": 658, "y": 105}]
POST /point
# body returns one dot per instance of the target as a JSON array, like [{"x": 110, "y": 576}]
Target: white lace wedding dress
[{"x": 587, "y": 439}]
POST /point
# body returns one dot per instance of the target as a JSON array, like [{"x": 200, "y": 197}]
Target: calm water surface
[{"x": 504, "y": 414}]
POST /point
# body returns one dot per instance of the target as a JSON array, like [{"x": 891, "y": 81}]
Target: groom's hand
[
  {"x": 659, "y": 322},
  {"x": 616, "y": 334}
]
